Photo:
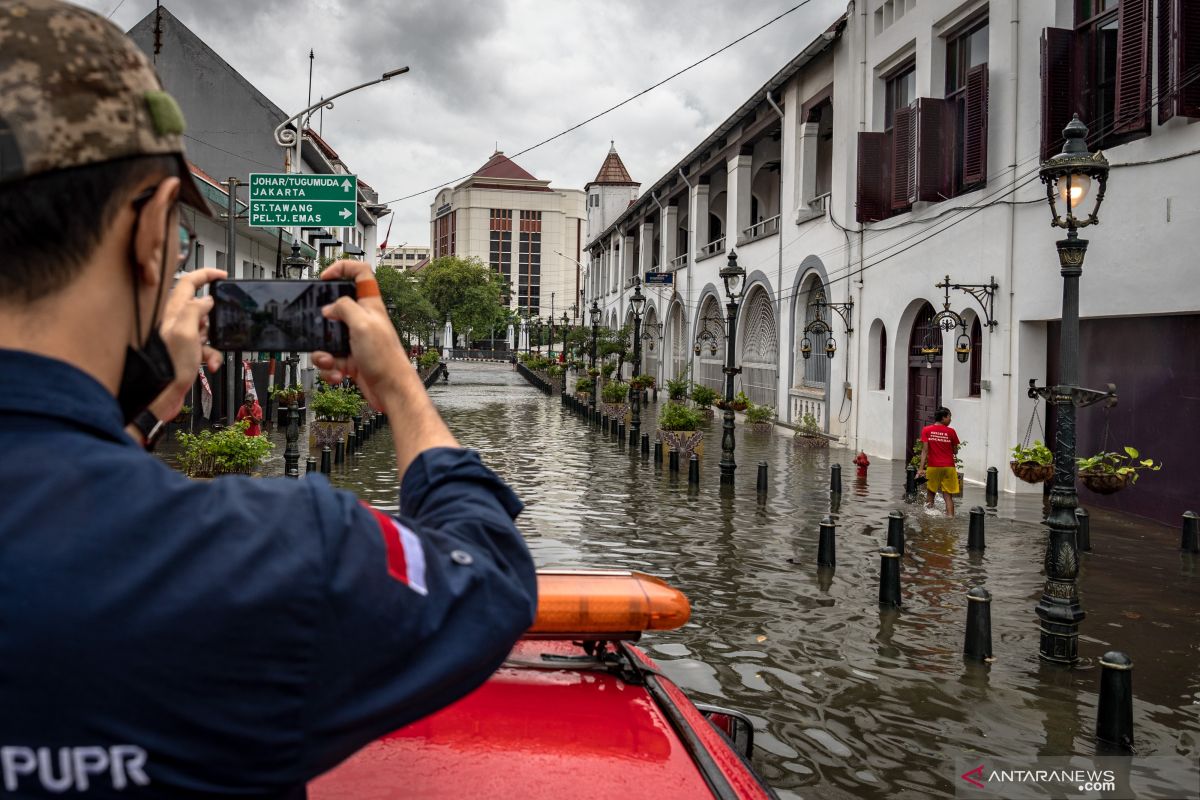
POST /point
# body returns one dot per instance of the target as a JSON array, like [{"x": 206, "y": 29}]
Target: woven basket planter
[
  {"x": 614, "y": 410},
  {"x": 685, "y": 442},
  {"x": 813, "y": 442},
  {"x": 1032, "y": 472},
  {"x": 1103, "y": 482},
  {"x": 761, "y": 427}
]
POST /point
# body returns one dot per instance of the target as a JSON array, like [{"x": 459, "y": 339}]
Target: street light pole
[
  {"x": 595, "y": 312},
  {"x": 637, "y": 303},
  {"x": 732, "y": 275},
  {"x": 1068, "y": 177},
  {"x": 293, "y": 264}
]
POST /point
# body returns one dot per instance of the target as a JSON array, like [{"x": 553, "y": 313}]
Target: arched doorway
[
  {"x": 710, "y": 365},
  {"x": 760, "y": 349},
  {"x": 924, "y": 373},
  {"x": 676, "y": 341}
]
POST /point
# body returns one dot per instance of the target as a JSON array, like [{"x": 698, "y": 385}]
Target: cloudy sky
[{"x": 512, "y": 72}]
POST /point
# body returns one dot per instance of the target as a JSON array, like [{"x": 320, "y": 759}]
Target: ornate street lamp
[
  {"x": 538, "y": 327},
  {"x": 594, "y": 312},
  {"x": 733, "y": 276},
  {"x": 1070, "y": 178},
  {"x": 820, "y": 327},
  {"x": 565, "y": 331},
  {"x": 637, "y": 303},
  {"x": 294, "y": 266}
]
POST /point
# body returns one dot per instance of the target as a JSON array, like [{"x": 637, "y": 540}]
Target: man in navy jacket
[{"x": 161, "y": 637}]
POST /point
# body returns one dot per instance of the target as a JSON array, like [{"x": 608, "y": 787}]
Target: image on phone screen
[{"x": 278, "y": 315}]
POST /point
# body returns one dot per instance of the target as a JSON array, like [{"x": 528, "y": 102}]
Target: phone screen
[{"x": 278, "y": 316}]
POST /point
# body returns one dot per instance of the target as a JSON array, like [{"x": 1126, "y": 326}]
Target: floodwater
[{"x": 847, "y": 700}]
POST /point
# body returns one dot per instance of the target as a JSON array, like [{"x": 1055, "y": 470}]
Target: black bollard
[
  {"x": 991, "y": 492},
  {"x": 645, "y": 446},
  {"x": 835, "y": 479},
  {"x": 621, "y": 432},
  {"x": 673, "y": 462},
  {"x": 889, "y": 577},
  {"x": 910, "y": 481},
  {"x": 1114, "y": 714},
  {"x": 339, "y": 451},
  {"x": 975, "y": 538},
  {"x": 978, "y": 644},
  {"x": 1190, "y": 543},
  {"x": 607, "y": 424},
  {"x": 326, "y": 460},
  {"x": 694, "y": 470},
  {"x": 1083, "y": 537},
  {"x": 895, "y": 534},
  {"x": 310, "y": 465},
  {"x": 658, "y": 455},
  {"x": 762, "y": 477},
  {"x": 826, "y": 546}
]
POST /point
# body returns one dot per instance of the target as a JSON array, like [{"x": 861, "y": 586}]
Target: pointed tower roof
[
  {"x": 501, "y": 166},
  {"x": 612, "y": 171}
]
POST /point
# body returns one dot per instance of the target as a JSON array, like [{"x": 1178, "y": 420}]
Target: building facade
[
  {"x": 901, "y": 148},
  {"x": 526, "y": 231},
  {"x": 405, "y": 256}
]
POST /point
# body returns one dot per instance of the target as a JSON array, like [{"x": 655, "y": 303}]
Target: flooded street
[{"x": 848, "y": 700}]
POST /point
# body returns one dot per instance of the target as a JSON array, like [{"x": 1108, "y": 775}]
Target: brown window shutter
[
  {"x": 1133, "y": 67},
  {"x": 1167, "y": 50},
  {"x": 975, "y": 128},
  {"x": 1187, "y": 48},
  {"x": 904, "y": 161},
  {"x": 932, "y": 183},
  {"x": 873, "y": 152},
  {"x": 1058, "y": 87}
]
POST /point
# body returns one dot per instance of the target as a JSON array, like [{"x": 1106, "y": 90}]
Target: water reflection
[{"x": 849, "y": 700}]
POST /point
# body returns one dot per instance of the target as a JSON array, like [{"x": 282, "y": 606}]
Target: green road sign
[{"x": 300, "y": 199}]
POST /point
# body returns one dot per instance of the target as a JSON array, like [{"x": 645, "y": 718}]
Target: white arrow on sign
[
  {"x": 345, "y": 186},
  {"x": 345, "y": 212}
]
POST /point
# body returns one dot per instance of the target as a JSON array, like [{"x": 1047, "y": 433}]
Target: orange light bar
[{"x": 611, "y": 603}]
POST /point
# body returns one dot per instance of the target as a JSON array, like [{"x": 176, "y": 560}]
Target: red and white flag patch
[{"x": 405, "y": 555}]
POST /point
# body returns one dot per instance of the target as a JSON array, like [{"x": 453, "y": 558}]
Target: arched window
[
  {"x": 882, "y": 358},
  {"x": 976, "y": 357},
  {"x": 816, "y": 367},
  {"x": 760, "y": 349}
]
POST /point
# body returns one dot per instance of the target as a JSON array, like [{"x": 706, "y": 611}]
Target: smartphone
[{"x": 278, "y": 315}]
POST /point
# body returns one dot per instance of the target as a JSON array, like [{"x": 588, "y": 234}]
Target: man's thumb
[{"x": 345, "y": 310}]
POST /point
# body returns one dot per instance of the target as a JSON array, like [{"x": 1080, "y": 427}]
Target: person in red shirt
[
  {"x": 939, "y": 444},
  {"x": 252, "y": 411}
]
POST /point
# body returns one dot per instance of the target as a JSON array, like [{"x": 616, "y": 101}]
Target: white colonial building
[
  {"x": 901, "y": 147},
  {"x": 525, "y": 230}
]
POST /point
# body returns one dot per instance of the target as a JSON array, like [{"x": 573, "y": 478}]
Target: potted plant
[
  {"x": 584, "y": 388},
  {"x": 677, "y": 389},
  {"x": 809, "y": 434},
  {"x": 740, "y": 402},
  {"x": 614, "y": 394},
  {"x": 704, "y": 398},
  {"x": 334, "y": 409},
  {"x": 1105, "y": 473},
  {"x": 1033, "y": 464},
  {"x": 760, "y": 418},
  {"x": 427, "y": 361},
  {"x": 225, "y": 452},
  {"x": 641, "y": 383},
  {"x": 283, "y": 397},
  {"x": 593, "y": 372},
  {"x": 678, "y": 430},
  {"x": 607, "y": 369}
]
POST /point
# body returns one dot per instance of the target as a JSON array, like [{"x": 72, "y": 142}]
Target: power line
[
  {"x": 116, "y": 9},
  {"x": 626, "y": 101}
]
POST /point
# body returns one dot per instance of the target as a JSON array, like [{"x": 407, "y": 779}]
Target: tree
[
  {"x": 413, "y": 312},
  {"x": 615, "y": 343},
  {"x": 465, "y": 290}
]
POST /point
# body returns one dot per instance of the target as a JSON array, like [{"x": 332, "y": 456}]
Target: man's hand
[
  {"x": 376, "y": 358},
  {"x": 184, "y": 330}
]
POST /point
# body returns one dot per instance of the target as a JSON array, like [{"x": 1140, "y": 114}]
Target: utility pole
[{"x": 231, "y": 359}]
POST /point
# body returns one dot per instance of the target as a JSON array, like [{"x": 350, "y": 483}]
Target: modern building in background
[
  {"x": 525, "y": 230},
  {"x": 902, "y": 147},
  {"x": 405, "y": 256}
]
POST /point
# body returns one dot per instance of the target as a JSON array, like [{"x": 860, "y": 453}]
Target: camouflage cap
[{"x": 74, "y": 90}]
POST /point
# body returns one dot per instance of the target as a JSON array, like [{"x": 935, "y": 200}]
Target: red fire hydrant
[{"x": 862, "y": 462}]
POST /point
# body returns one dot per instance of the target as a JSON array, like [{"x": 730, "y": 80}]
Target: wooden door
[{"x": 924, "y": 378}]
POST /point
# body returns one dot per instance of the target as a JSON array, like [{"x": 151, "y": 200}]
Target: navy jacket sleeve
[{"x": 420, "y": 608}]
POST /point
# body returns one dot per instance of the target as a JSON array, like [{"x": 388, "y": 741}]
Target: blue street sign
[{"x": 660, "y": 278}]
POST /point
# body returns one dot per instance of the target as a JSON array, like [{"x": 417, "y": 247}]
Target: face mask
[{"x": 148, "y": 370}]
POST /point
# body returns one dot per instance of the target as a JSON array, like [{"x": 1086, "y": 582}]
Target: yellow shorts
[{"x": 942, "y": 479}]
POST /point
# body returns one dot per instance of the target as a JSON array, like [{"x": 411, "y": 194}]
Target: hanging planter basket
[
  {"x": 1104, "y": 482},
  {"x": 1031, "y": 471}
]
